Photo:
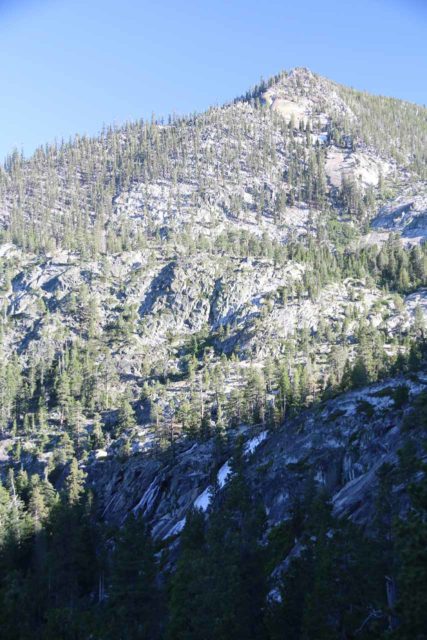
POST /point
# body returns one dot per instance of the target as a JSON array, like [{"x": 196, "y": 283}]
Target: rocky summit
[{"x": 213, "y": 373}]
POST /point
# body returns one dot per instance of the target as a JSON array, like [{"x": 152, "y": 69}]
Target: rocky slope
[
  {"x": 341, "y": 444},
  {"x": 184, "y": 265}
]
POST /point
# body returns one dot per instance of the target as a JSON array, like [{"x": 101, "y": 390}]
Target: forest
[{"x": 190, "y": 284}]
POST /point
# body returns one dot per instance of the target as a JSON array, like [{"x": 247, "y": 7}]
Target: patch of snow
[
  {"x": 203, "y": 501},
  {"x": 223, "y": 474},
  {"x": 253, "y": 443},
  {"x": 177, "y": 528}
]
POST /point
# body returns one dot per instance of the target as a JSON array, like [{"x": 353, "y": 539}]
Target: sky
[{"x": 71, "y": 66}]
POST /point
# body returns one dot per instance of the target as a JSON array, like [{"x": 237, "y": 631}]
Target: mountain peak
[
  {"x": 302, "y": 95},
  {"x": 301, "y": 72}
]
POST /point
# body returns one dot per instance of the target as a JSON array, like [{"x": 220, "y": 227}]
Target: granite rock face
[{"x": 339, "y": 445}]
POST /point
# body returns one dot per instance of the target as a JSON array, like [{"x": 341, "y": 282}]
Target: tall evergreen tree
[{"x": 134, "y": 610}]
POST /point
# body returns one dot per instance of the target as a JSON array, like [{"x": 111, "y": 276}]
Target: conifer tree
[{"x": 134, "y": 605}]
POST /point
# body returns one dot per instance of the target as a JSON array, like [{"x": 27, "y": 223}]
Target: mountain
[{"x": 213, "y": 342}]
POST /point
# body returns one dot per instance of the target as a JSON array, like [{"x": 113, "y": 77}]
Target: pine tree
[
  {"x": 359, "y": 374},
  {"x": 412, "y": 578},
  {"x": 126, "y": 416},
  {"x": 134, "y": 605},
  {"x": 74, "y": 487},
  {"x": 97, "y": 436},
  {"x": 187, "y": 581},
  {"x": 218, "y": 589}
]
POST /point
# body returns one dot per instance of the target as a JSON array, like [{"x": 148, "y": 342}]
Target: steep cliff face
[{"x": 340, "y": 445}]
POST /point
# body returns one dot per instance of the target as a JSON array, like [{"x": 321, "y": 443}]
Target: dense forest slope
[{"x": 213, "y": 373}]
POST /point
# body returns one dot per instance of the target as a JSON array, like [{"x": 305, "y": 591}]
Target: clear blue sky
[{"x": 69, "y": 66}]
